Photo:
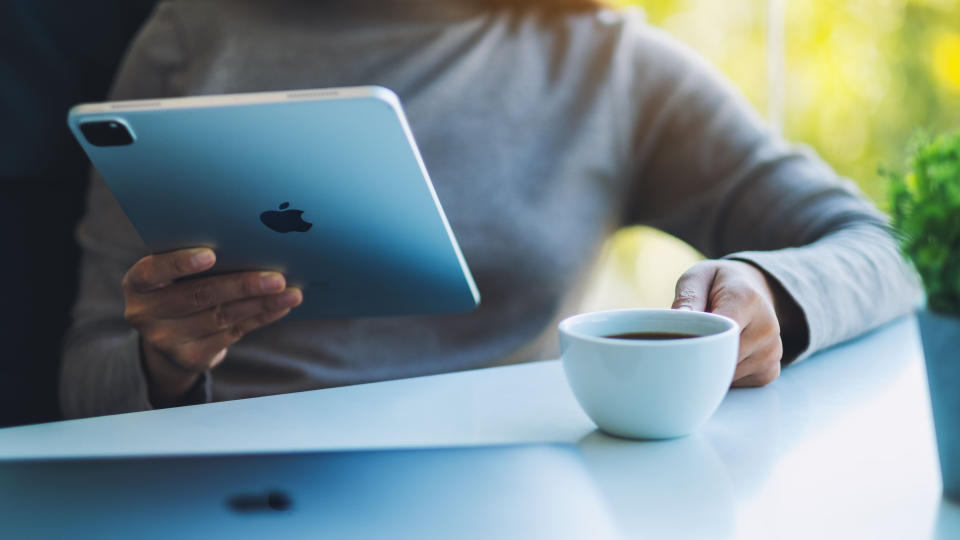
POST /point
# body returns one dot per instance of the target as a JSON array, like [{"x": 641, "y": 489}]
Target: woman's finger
[
  {"x": 161, "y": 269},
  {"x": 762, "y": 366},
  {"x": 194, "y": 296},
  {"x": 202, "y": 354},
  {"x": 693, "y": 287},
  {"x": 172, "y": 332}
]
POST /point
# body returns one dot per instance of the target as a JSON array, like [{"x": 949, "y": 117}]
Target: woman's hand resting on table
[
  {"x": 185, "y": 327},
  {"x": 763, "y": 310}
]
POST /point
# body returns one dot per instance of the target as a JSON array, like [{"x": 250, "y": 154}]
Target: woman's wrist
[{"x": 167, "y": 382}]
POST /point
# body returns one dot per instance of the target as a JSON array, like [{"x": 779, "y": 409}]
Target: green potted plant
[{"x": 925, "y": 204}]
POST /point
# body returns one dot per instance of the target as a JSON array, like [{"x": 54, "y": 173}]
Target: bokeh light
[{"x": 862, "y": 77}]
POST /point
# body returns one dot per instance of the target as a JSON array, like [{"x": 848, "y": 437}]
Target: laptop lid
[{"x": 522, "y": 491}]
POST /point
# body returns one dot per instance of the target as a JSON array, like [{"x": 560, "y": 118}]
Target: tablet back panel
[
  {"x": 206, "y": 171},
  {"x": 524, "y": 492}
]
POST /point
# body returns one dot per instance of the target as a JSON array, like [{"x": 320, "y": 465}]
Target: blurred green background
[{"x": 859, "y": 78}]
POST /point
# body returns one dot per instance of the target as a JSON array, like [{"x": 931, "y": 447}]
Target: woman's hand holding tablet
[{"x": 186, "y": 326}]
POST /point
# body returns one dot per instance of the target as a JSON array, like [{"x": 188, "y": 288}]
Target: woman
[{"x": 545, "y": 128}]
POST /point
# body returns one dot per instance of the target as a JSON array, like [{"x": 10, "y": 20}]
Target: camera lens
[{"x": 106, "y": 133}]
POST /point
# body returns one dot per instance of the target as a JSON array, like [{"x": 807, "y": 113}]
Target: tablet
[{"x": 326, "y": 186}]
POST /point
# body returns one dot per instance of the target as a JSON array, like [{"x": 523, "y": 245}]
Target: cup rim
[{"x": 566, "y": 325}]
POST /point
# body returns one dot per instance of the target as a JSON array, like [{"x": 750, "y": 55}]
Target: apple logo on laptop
[{"x": 286, "y": 220}]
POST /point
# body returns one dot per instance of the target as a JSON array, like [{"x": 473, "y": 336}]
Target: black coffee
[{"x": 651, "y": 335}]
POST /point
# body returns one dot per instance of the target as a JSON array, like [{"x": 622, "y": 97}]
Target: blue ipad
[{"x": 326, "y": 186}]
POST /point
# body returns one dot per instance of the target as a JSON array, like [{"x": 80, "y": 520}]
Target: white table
[{"x": 841, "y": 446}]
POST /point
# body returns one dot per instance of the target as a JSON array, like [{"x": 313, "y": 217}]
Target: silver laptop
[{"x": 500, "y": 492}]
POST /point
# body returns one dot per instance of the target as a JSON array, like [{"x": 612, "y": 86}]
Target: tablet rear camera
[{"x": 106, "y": 133}]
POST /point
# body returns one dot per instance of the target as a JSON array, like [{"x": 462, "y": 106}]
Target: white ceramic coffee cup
[{"x": 649, "y": 389}]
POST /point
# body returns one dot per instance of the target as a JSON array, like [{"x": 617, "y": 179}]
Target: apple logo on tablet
[{"x": 285, "y": 220}]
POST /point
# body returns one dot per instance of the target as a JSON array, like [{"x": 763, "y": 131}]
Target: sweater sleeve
[
  {"x": 709, "y": 172},
  {"x": 101, "y": 370}
]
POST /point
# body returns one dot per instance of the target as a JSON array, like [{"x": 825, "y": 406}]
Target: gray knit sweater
[{"x": 542, "y": 134}]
